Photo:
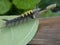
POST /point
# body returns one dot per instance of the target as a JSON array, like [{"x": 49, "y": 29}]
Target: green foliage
[
  {"x": 44, "y": 3},
  {"x": 16, "y": 7},
  {"x": 25, "y": 4},
  {"x": 55, "y": 1},
  {"x": 14, "y": 11},
  {"x": 5, "y": 5}
]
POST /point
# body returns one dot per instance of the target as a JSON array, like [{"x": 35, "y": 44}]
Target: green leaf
[
  {"x": 17, "y": 35},
  {"x": 25, "y": 4},
  {"x": 4, "y": 6}
]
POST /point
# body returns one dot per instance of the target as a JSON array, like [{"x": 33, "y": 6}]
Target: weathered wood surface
[{"x": 48, "y": 32}]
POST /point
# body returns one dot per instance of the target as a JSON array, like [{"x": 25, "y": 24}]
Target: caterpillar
[{"x": 29, "y": 14}]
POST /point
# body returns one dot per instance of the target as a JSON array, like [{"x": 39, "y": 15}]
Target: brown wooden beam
[{"x": 48, "y": 32}]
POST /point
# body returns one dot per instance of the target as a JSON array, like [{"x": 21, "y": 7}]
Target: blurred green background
[{"x": 16, "y": 7}]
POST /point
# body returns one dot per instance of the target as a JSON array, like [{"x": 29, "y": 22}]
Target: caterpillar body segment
[
  {"x": 22, "y": 17},
  {"x": 52, "y": 6},
  {"x": 36, "y": 10},
  {"x": 5, "y": 19},
  {"x": 26, "y": 14},
  {"x": 12, "y": 21},
  {"x": 29, "y": 12}
]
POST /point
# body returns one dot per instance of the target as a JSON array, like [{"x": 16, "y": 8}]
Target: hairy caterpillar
[{"x": 29, "y": 14}]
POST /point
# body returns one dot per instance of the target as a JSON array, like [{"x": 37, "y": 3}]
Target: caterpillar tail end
[{"x": 52, "y": 6}]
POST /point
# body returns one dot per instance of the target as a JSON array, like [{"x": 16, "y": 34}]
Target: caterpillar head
[{"x": 36, "y": 12}]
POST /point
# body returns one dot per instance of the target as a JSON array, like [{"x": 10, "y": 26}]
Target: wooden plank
[{"x": 48, "y": 32}]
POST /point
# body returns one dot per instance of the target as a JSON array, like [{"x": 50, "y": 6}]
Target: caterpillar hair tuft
[{"x": 29, "y": 14}]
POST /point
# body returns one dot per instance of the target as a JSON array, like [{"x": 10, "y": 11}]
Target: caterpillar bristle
[
  {"x": 22, "y": 15},
  {"x": 28, "y": 14},
  {"x": 31, "y": 11},
  {"x": 5, "y": 19}
]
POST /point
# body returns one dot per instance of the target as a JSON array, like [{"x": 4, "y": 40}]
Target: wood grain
[{"x": 48, "y": 32}]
